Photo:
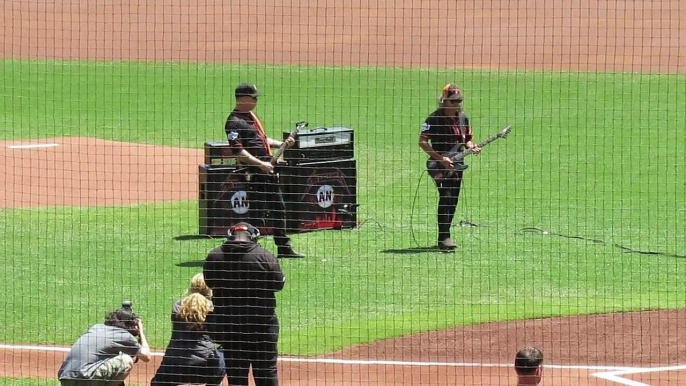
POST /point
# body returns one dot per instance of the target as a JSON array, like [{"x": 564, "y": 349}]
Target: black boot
[
  {"x": 447, "y": 244},
  {"x": 287, "y": 252}
]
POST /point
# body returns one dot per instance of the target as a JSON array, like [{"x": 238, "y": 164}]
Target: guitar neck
[
  {"x": 277, "y": 154},
  {"x": 481, "y": 144},
  {"x": 487, "y": 141}
]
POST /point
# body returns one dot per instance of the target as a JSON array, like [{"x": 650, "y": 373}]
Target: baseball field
[{"x": 578, "y": 236}]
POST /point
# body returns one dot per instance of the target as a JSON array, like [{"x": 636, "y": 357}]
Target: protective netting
[{"x": 135, "y": 136}]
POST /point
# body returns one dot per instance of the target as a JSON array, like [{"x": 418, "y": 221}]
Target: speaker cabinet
[
  {"x": 322, "y": 195},
  {"x": 218, "y": 153},
  {"x": 224, "y": 199}
]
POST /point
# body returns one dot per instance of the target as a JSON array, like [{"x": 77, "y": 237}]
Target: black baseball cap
[
  {"x": 245, "y": 227},
  {"x": 247, "y": 89},
  {"x": 242, "y": 225}
]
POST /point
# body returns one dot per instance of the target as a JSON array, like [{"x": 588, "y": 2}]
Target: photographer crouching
[{"x": 105, "y": 354}]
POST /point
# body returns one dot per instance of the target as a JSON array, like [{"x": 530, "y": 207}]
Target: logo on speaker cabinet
[
  {"x": 325, "y": 196},
  {"x": 239, "y": 202}
]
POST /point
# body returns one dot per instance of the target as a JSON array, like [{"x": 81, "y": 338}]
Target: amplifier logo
[
  {"x": 325, "y": 196},
  {"x": 239, "y": 202},
  {"x": 321, "y": 188},
  {"x": 233, "y": 186},
  {"x": 327, "y": 139}
]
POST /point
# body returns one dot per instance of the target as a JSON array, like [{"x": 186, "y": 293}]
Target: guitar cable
[
  {"x": 414, "y": 200},
  {"x": 463, "y": 223},
  {"x": 598, "y": 242},
  {"x": 525, "y": 230}
]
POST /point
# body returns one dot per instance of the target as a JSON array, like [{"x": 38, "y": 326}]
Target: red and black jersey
[
  {"x": 445, "y": 132},
  {"x": 244, "y": 130}
]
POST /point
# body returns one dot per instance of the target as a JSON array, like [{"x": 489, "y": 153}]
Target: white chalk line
[
  {"x": 609, "y": 373},
  {"x": 364, "y": 362},
  {"x": 616, "y": 376},
  {"x": 33, "y": 146}
]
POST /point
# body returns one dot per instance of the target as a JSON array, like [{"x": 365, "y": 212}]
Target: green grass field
[
  {"x": 28, "y": 382},
  {"x": 594, "y": 155}
]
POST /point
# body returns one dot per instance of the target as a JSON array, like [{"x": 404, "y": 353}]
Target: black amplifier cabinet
[
  {"x": 322, "y": 195},
  {"x": 321, "y": 143},
  {"x": 218, "y": 153},
  {"x": 224, "y": 200}
]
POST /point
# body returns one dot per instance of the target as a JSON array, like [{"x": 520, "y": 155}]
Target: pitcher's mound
[{"x": 88, "y": 172}]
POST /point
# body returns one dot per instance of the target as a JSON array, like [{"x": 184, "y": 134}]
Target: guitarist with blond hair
[{"x": 447, "y": 130}]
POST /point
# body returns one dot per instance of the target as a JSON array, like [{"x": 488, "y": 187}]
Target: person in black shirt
[
  {"x": 251, "y": 146},
  {"x": 444, "y": 130},
  {"x": 244, "y": 279}
]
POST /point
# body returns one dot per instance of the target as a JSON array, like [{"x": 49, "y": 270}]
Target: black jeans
[
  {"x": 448, "y": 196},
  {"x": 248, "y": 346},
  {"x": 269, "y": 197}
]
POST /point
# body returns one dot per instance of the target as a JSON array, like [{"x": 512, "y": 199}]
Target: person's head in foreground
[
  {"x": 243, "y": 232},
  {"x": 198, "y": 286},
  {"x": 124, "y": 318},
  {"x": 194, "y": 310},
  {"x": 529, "y": 366}
]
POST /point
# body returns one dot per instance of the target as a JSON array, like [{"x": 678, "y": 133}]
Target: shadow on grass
[
  {"x": 196, "y": 237},
  {"x": 415, "y": 250},
  {"x": 191, "y": 264}
]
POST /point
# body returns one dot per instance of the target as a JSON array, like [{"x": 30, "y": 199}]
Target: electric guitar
[
  {"x": 279, "y": 152},
  {"x": 437, "y": 170},
  {"x": 276, "y": 155}
]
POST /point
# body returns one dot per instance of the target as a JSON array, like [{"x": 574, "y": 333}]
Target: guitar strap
[
  {"x": 463, "y": 129},
  {"x": 260, "y": 129}
]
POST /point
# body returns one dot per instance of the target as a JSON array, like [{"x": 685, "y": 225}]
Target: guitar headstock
[
  {"x": 298, "y": 127},
  {"x": 504, "y": 132}
]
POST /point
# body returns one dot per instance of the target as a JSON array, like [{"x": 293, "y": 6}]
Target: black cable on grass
[{"x": 599, "y": 242}]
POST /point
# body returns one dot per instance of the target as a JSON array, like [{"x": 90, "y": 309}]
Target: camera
[{"x": 127, "y": 306}]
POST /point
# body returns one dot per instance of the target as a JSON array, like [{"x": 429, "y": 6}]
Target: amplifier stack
[
  {"x": 321, "y": 143},
  {"x": 318, "y": 180},
  {"x": 323, "y": 179}
]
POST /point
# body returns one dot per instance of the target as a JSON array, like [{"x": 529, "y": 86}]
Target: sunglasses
[{"x": 449, "y": 91}]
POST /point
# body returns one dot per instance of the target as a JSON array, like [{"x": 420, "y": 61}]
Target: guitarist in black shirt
[
  {"x": 252, "y": 147},
  {"x": 444, "y": 132}
]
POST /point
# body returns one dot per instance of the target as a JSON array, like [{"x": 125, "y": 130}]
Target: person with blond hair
[
  {"x": 445, "y": 130},
  {"x": 191, "y": 355},
  {"x": 197, "y": 286}
]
